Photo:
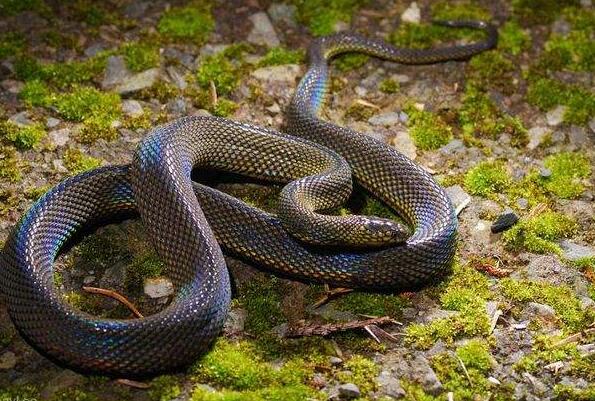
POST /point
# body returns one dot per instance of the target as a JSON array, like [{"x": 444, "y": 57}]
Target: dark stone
[{"x": 504, "y": 222}]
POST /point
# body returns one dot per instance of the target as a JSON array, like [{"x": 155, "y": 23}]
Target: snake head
[{"x": 378, "y": 231}]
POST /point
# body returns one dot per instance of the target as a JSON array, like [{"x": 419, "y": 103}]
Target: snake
[{"x": 191, "y": 225}]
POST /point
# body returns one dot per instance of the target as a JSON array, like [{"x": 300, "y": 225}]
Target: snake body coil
[{"x": 188, "y": 222}]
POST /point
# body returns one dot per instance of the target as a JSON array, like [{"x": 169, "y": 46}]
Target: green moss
[
  {"x": 11, "y": 44},
  {"x": 322, "y": 16},
  {"x": 362, "y": 373},
  {"x": 539, "y": 233},
  {"x": 479, "y": 117},
  {"x": 19, "y": 392},
  {"x": 97, "y": 127},
  {"x": 140, "y": 56},
  {"x": 568, "y": 169},
  {"x": 73, "y": 394},
  {"x": 475, "y": 354},
  {"x": 62, "y": 75},
  {"x": 560, "y": 297},
  {"x": 359, "y": 111},
  {"x": 569, "y": 393},
  {"x": 8, "y": 200},
  {"x": 161, "y": 90},
  {"x": 350, "y": 61},
  {"x": 286, "y": 393},
  {"x": 220, "y": 70},
  {"x": 27, "y": 137},
  {"x": 13, "y": 7},
  {"x": 262, "y": 301},
  {"x": 492, "y": 70},
  {"x": 224, "y": 108},
  {"x": 85, "y": 102},
  {"x": 530, "y": 187},
  {"x": 547, "y": 93},
  {"x": 35, "y": 93},
  {"x": 465, "y": 292},
  {"x": 372, "y": 304},
  {"x": 187, "y": 24},
  {"x": 389, "y": 86},
  {"x": 513, "y": 39},
  {"x": 573, "y": 51},
  {"x": 144, "y": 266},
  {"x": 543, "y": 12},
  {"x": 10, "y": 168},
  {"x": 487, "y": 178},
  {"x": 280, "y": 55},
  {"x": 164, "y": 388},
  {"x": 76, "y": 161},
  {"x": 427, "y": 129}
]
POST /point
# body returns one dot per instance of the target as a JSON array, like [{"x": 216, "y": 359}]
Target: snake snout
[{"x": 386, "y": 231}]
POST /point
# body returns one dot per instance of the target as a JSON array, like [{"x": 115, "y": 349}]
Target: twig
[
  {"x": 330, "y": 294},
  {"x": 213, "y": 93},
  {"x": 133, "y": 383},
  {"x": 464, "y": 369},
  {"x": 116, "y": 296},
  {"x": 326, "y": 329}
]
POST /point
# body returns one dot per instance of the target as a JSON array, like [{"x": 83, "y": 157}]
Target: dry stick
[
  {"x": 326, "y": 329},
  {"x": 464, "y": 369},
  {"x": 133, "y": 383},
  {"x": 116, "y": 296},
  {"x": 329, "y": 294}
]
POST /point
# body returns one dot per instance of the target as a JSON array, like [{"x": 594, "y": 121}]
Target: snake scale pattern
[{"x": 190, "y": 224}]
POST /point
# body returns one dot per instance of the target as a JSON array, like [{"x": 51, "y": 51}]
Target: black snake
[{"x": 190, "y": 223}]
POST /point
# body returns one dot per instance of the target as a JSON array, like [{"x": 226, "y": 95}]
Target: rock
[
  {"x": 234, "y": 324},
  {"x": 522, "y": 203},
  {"x": 8, "y": 360},
  {"x": 12, "y": 86},
  {"x": 341, "y": 26},
  {"x": 136, "y": 9},
  {"x": 132, "y": 108},
  {"x": 592, "y": 124},
  {"x": 88, "y": 280},
  {"x": 63, "y": 380},
  {"x": 540, "y": 310},
  {"x": 274, "y": 108},
  {"x": 536, "y": 136},
  {"x": 283, "y": 13},
  {"x": 262, "y": 32},
  {"x": 94, "y": 49},
  {"x": 578, "y": 137},
  {"x": 574, "y": 251},
  {"x": 504, "y": 222},
  {"x": 335, "y": 361},
  {"x": 555, "y": 116},
  {"x": 139, "y": 81},
  {"x": 586, "y": 349},
  {"x": 58, "y": 165},
  {"x": 404, "y": 144},
  {"x": 545, "y": 172},
  {"x": 425, "y": 375},
  {"x": 185, "y": 59},
  {"x": 278, "y": 73},
  {"x": 52, "y": 122},
  {"x": 389, "y": 385},
  {"x": 349, "y": 391},
  {"x": 60, "y": 137},
  {"x": 21, "y": 119},
  {"x": 412, "y": 14},
  {"x": 454, "y": 146},
  {"x": 158, "y": 287},
  {"x": 177, "y": 106},
  {"x": 115, "y": 72},
  {"x": 386, "y": 119},
  {"x": 459, "y": 198},
  {"x": 177, "y": 77},
  {"x": 548, "y": 269}
]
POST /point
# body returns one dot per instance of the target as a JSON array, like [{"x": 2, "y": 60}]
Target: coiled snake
[{"x": 189, "y": 223}]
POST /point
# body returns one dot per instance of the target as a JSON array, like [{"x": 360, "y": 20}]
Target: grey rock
[
  {"x": 283, "y": 13},
  {"x": 136, "y": 9},
  {"x": 539, "y": 310},
  {"x": 185, "y": 59},
  {"x": 52, "y": 122},
  {"x": 574, "y": 251},
  {"x": 263, "y": 32},
  {"x": 132, "y": 108},
  {"x": 459, "y": 198},
  {"x": 139, "y": 81},
  {"x": 236, "y": 319},
  {"x": 578, "y": 137},
  {"x": 60, "y": 137},
  {"x": 335, "y": 361},
  {"x": 59, "y": 166},
  {"x": 425, "y": 375},
  {"x": 94, "y": 49},
  {"x": 454, "y": 146},
  {"x": 349, "y": 391},
  {"x": 592, "y": 124},
  {"x": 412, "y": 14},
  {"x": 555, "y": 116},
  {"x": 545, "y": 172},
  {"x": 177, "y": 106},
  {"x": 561, "y": 27},
  {"x": 586, "y": 349},
  {"x": 389, "y": 385},
  {"x": 386, "y": 119},
  {"x": 536, "y": 136},
  {"x": 8, "y": 360},
  {"x": 274, "y": 108},
  {"x": 63, "y": 380},
  {"x": 404, "y": 144},
  {"x": 21, "y": 119},
  {"x": 278, "y": 73},
  {"x": 522, "y": 203},
  {"x": 177, "y": 77},
  {"x": 115, "y": 72},
  {"x": 547, "y": 269},
  {"x": 158, "y": 287}
]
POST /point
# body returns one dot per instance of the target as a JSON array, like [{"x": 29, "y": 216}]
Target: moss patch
[
  {"x": 22, "y": 137},
  {"x": 362, "y": 373},
  {"x": 322, "y": 16},
  {"x": 372, "y": 304},
  {"x": 35, "y": 93},
  {"x": 164, "y": 388},
  {"x": 560, "y": 297},
  {"x": 487, "y": 178},
  {"x": 568, "y": 169},
  {"x": 76, "y": 161},
  {"x": 262, "y": 300},
  {"x": 492, "y": 70},
  {"x": 280, "y": 55},
  {"x": 10, "y": 169},
  {"x": 140, "y": 56},
  {"x": 427, "y": 129},
  {"x": 466, "y": 292},
  {"x": 513, "y": 38},
  {"x": 190, "y": 23}
]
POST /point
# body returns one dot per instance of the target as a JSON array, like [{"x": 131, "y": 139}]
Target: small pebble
[
  {"x": 158, "y": 287},
  {"x": 8, "y": 360},
  {"x": 349, "y": 391},
  {"x": 335, "y": 360},
  {"x": 545, "y": 172},
  {"x": 504, "y": 222},
  {"x": 522, "y": 203}
]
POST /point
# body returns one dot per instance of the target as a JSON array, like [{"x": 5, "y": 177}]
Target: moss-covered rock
[
  {"x": 427, "y": 129},
  {"x": 192, "y": 23},
  {"x": 487, "y": 178}
]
